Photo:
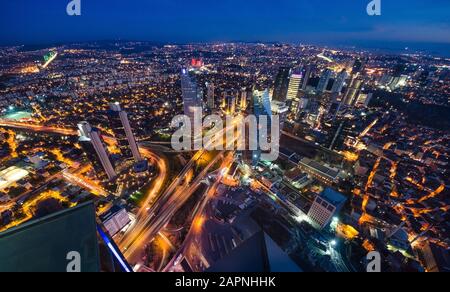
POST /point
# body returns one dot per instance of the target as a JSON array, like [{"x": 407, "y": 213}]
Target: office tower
[
  {"x": 324, "y": 80},
  {"x": 298, "y": 106},
  {"x": 262, "y": 107},
  {"x": 294, "y": 86},
  {"x": 122, "y": 131},
  {"x": 339, "y": 82},
  {"x": 352, "y": 92},
  {"x": 306, "y": 77},
  {"x": 398, "y": 82},
  {"x": 210, "y": 95},
  {"x": 281, "y": 109},
  {"x": 364, "y": 99},
  {"x": 192, "y": 99},
  {"x": 281, "y": 84},
  {"x": 95, "y": 151},
  {"x": 325, "y": 207}
]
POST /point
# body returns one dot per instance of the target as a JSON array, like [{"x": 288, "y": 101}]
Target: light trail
[
  {"x": 50, "y": 60},
  {"x": 321, "y": 56},
  {"x": 198, "y": 219},
  {"x": 85, "y": 183},
  {"x": 367, "y": 130}
]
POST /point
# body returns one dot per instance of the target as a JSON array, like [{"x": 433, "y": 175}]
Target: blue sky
[{"x": 308, "y": 21}]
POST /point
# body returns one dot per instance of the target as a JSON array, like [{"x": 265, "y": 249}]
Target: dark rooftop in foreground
[{"x": 42, "y": 245}]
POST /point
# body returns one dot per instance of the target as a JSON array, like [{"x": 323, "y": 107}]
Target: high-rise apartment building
[
  {"x": 122, "y": 131},
  {"x": 96, "y": 151},
  {"x": 294, "y": 86},
  {"x": 192, "y": 99},
  {"x": 324, "y": 80},
  {"x": 281, "y": 84},
  {"x": 339, "y": 82}
]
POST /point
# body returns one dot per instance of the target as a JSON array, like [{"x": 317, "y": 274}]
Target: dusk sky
[{"x": 335, "y": 22}]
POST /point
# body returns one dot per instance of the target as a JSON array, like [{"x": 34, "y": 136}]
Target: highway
[
  {"x": 161, "y": 214},
  {"x": 37, "y": 128},
  {"x": 151, "y": 219},
  {"x": 196, "y": 225},
  {"x": 73, "y": 178}
]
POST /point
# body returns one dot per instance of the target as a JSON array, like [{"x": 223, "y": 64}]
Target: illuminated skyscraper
[
  {"x": 192, "y": 99},
  {"x": 96, "y": 151},
  {"x": 324, "y": 80},
  {"x": 352, "y": 92},
  {"x": 339, "y": 82},
  {"x": 281, "y": 84},
  {"x": 262, "y": 107},
  {"x": 281, "y": 109},
  {"x": 122, "y": 131},
  {"x": 294, "y": 86}
]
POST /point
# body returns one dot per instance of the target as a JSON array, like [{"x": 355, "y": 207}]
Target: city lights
[{"x": 137, "y": 138}]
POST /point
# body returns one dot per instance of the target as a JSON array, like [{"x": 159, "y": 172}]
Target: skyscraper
[
  {"x": 95, "y": 150},
  {"x": 323, "y": 82},
  {"x": 339, "y": 82},
  {"x": 281, "y": 84},
  {"x": 352, "y": 91},
  {"x": 262, "y": 107},
  {"x": 306, "y": 77},
  {"x": 281, "y": 109},
  {"x": 294, "y": 86},
  {"x": 122, "y": 131},
  {"x": 210, "y": 95},
  {"x": 192, "y": 99}
]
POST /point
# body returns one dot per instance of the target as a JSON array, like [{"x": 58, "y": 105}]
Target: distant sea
[
  {"x": 382, "y": 47},
  {"x": 434, "y": 49}
]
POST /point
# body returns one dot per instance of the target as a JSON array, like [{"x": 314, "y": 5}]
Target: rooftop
[
  {"x": 333, "y": 197},
  {"x": 42, "y": 245}
]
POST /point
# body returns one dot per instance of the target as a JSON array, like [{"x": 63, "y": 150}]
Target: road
[
  {"x": 150, "y": 220},
  {"x": 37, "y": 128},
  {"x": 160, "y": 163},
  {"x": 161, "y": 214},
  {"x": 197, "y": 217}
]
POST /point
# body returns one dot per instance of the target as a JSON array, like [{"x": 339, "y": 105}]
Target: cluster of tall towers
[
  {"x": 345, "y": 86},
  {"x": 95, "y": 149}
]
